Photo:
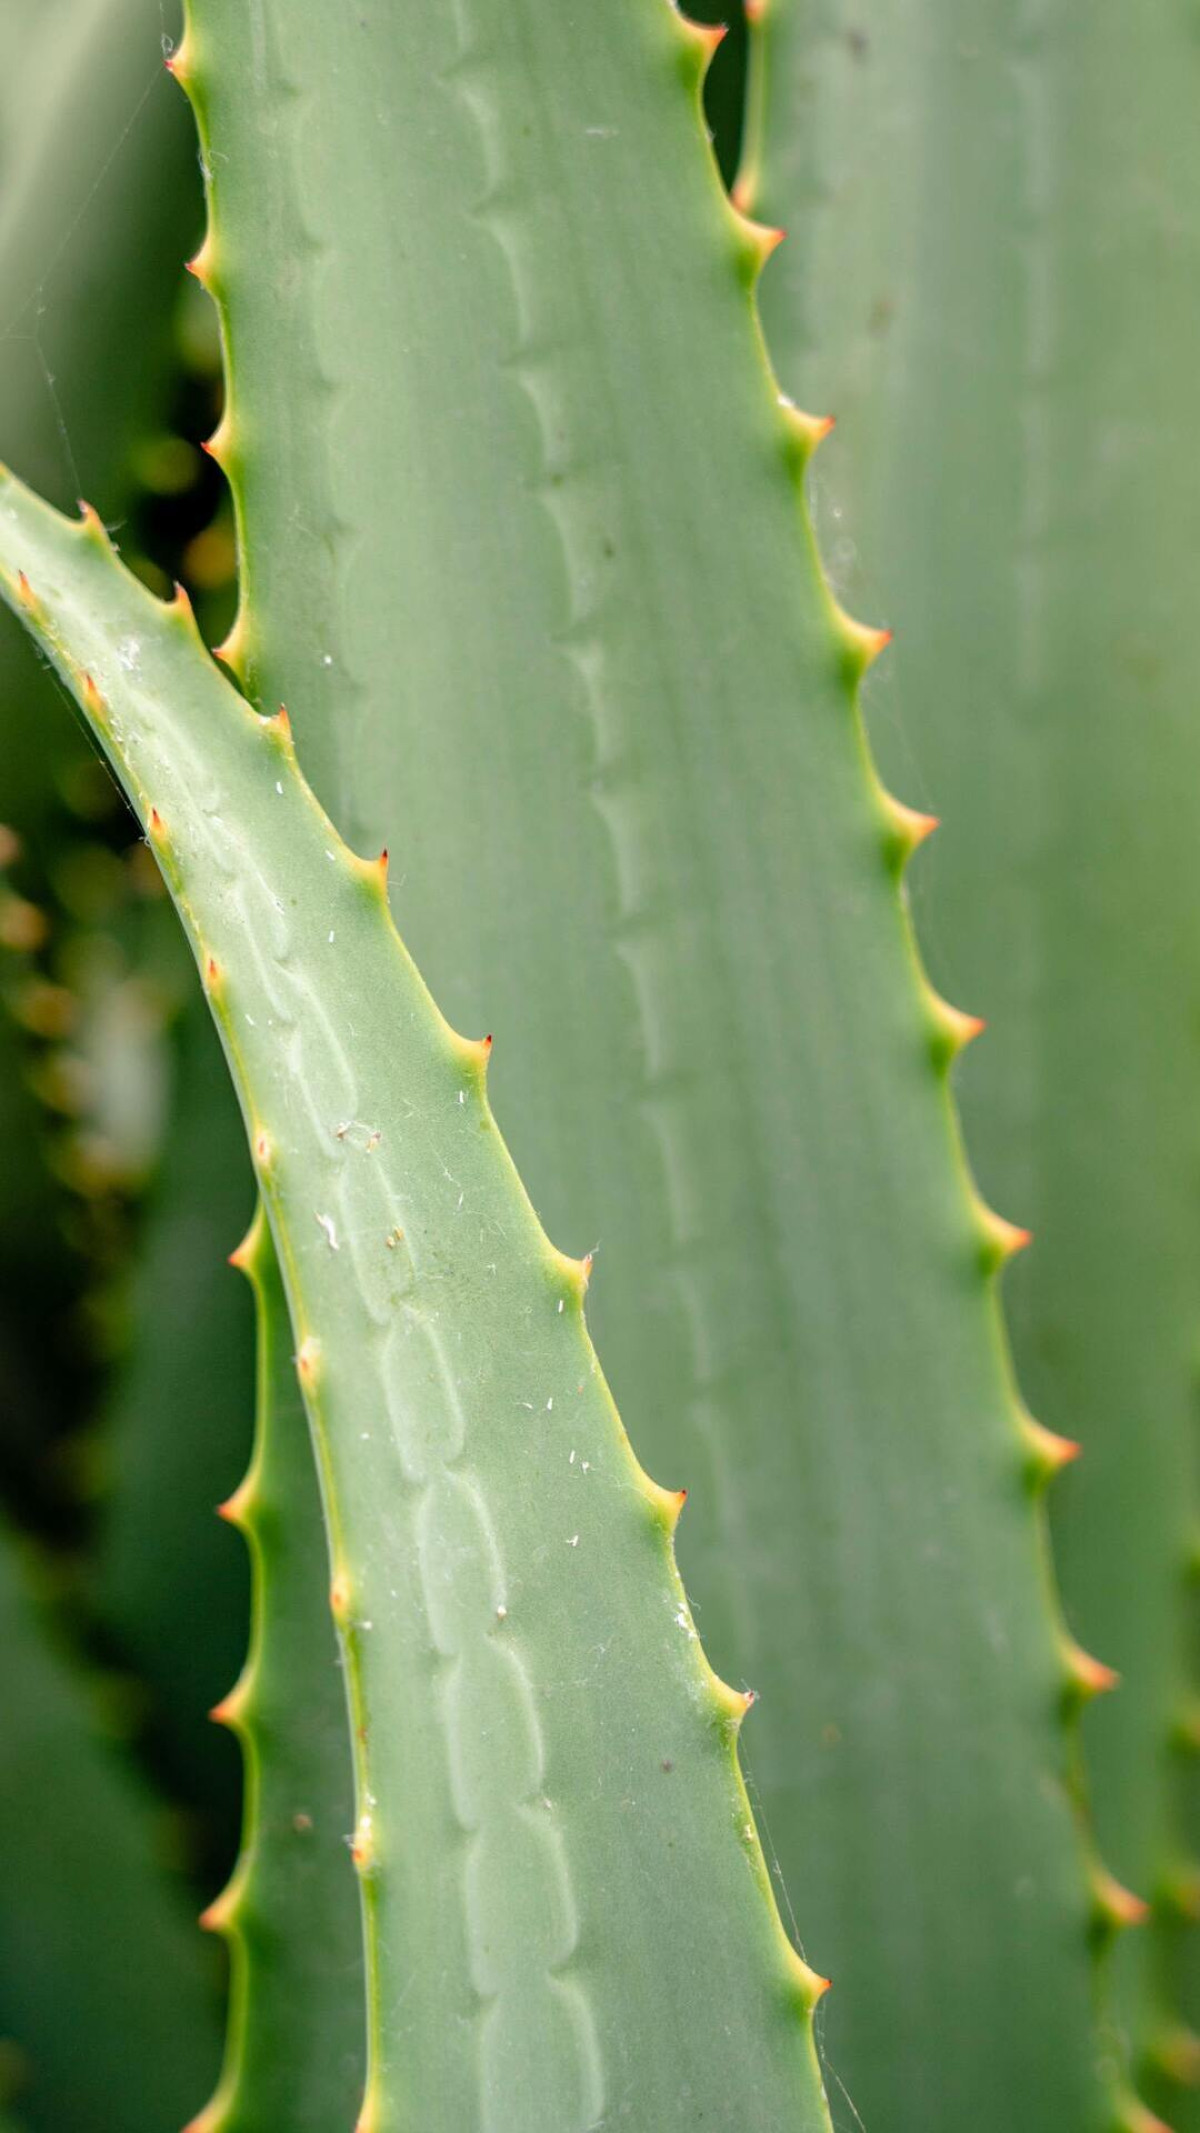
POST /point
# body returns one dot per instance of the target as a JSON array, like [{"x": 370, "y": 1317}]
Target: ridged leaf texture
[
  {"x": 521, "y": 549},
  {"x": 297, "y": 2016},
  {"x": 994, "y": 277},
  {"x": 567, "y": 1911}
]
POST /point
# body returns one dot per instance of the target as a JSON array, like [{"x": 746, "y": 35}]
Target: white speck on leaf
[{"x": 326, "y": 1223}]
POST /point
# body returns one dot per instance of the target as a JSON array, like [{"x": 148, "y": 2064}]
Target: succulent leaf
[
  {"x": 994, "y": 274},
  {"x": 487, "y": 439},
  {"x": 567, "y": 1911},
  {"x": 295, "y": 2050}
]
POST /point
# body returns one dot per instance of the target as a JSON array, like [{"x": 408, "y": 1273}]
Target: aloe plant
[
  {"x": 521, "y": 1602},
  {"x": 1012, "y": 362},
  {"x": 517, "y": 646}
]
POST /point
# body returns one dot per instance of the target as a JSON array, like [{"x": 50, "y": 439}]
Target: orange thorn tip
[
  {"x": 808, "y": 430},
  {"x": 671, "y": 1503},
  {"x": 1088, "y": 1676},
  {"x": 235, "y": 1508},
  {"x": 1116, "y": 1906},
  {"x": 339, "y": 1599},
  {"x": 862, "y": 644},
  {"x": 212, "y": 974},
  {"x": 765, "y": 238},
  {"x": 1049, "y": 1453},
  {"x": 232, "y": 650},
  {"x": 306, "y": 1361},
  {"x": 953, "y": 1031},
  {"x": 201, "y": 262},
  {"x": 217, "y": 446},
  {"x": 1001, "y": 1240},
  {"x": 154, "y": 823},
  {"x": 219, "y": 1913},
  {"x": 912, "y": 825},
  {"x": 383, "y": 862},
  {"x": 93, "y": 702},
  {"x": 91, "y": 521},
  {"x": 708, "y": 35},
  {"x": 25, "y": 592},
  {"x": 262, "y": 1147},
  {"x": 176, "y": 61},
  {"x": 362, "y": 1844}
]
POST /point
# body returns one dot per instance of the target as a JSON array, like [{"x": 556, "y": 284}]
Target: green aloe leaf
[
  {"x": 567, "y": 1912},
  {"x": 295, "y": 2047},
  {"x": 176, "y": 1431},
  {"x": 521, "y": 550},
  {"x": 993, "y": 276}
]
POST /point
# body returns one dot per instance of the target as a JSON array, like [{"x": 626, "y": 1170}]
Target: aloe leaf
[
  {"x": 295, "y": 1949},
  {"x": 488, "y": 436},
  {"x": 567, "y": 1911},
  {"x": 177, "y": 1428},
  {"x": 994, "y": 277},
  {"x": 105, "y": 1992}
]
